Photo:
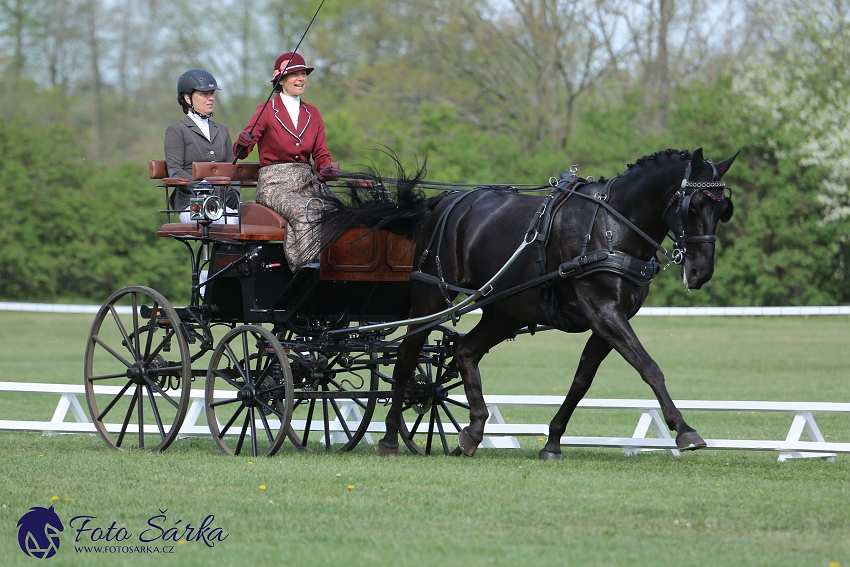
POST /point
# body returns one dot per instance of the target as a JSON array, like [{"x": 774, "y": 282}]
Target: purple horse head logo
[{"x": 38, "y": 532}]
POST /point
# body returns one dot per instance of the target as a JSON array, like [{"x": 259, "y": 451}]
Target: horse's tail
[{"x": 402, "y": 211}]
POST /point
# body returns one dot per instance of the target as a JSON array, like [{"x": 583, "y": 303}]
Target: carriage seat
[{"x": 256, "y": 222}]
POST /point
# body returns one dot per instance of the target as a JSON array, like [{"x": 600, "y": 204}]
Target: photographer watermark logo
[{"x": 38, "y": 532}]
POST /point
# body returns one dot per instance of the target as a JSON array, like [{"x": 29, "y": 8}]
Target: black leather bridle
[{"x": 681, "y": 200}]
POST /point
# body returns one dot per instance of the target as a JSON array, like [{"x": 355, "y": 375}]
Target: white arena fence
[{"x": 499, "y": 433}]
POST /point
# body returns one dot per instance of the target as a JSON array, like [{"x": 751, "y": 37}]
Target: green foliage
[{"x": 74, "y": 230}]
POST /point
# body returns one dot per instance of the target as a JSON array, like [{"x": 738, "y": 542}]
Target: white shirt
[
  {"x": 293, "y": 107},
  {"x": 203, "y": 124}
]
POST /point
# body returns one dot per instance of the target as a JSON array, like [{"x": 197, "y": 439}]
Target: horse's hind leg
[
  {"x": 408, "y": 355},
  {"x": 490, "y": 331},
  {"x": 595, "y": 351}
]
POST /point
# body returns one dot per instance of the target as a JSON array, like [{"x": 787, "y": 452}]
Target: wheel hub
[
  {"x": 247, "y": 395},
  {"x": 136, "y": 373},
  {"x": 421, "y": 394}
]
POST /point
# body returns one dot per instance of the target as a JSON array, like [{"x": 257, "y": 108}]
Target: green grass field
[{"x": 502, "y": 507}]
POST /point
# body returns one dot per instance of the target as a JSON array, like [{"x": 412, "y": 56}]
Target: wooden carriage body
[{"x": 362, "y": 277}]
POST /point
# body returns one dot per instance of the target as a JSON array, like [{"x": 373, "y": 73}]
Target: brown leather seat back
[
  {"x": 157, "y": 169},
  {"x": 244, "y": 171}
]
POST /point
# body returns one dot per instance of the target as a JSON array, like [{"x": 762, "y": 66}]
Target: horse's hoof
[
  {"x": 384, "y": 450},
  {"x": 465, "y": 443},
  {"x": 545, "y": 455},
  {"x": 689, "y": 441}
]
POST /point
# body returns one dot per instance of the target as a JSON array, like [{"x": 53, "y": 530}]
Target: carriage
[
  {"x": 285, "y": 366},
  {"x": 314, "y": 353}
]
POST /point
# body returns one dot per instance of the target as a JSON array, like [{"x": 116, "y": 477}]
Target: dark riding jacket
[{"x": 185, "y": 144}]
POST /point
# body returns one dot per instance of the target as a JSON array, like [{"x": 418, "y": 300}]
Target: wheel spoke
[
  {"x": 126, "y": 420},
  {"x": 430, "y": 437},
  {"x": 225, "y": 429},
  {"x": 309, "y": 421},
  {"x": 111, "y": 351},
  {"x": 327, "y": 424},
  {"x": 222, "y": 403},
  {"x": 141, "y": 394},
  {"x": 254, "y": 432},
  {"x": 114, "y": 400},
  {"x": 413, "y": 429},
  {"x": 107, "y": 377},
  {"x": 151, "y": 325},
  {"x": 451, "y": 416},
  {"x": 127, "y": 342},
  {"x": 269, "y": 408},
  {"x": 267, "y": 427},
  {"x": 236, "y": 364},
  {"x": 135, "y": 309},
  {"x": 457, "y": 403},
  {"x": 226, "y": 378},
  {"x": 246, "y": 358},
  {"x": 242, "y": 433},
  {"x": 151, "y": 384},
  {"x": 341, "y": 419},
  {"x": 156, "y": 411},
  {"x": 440, "y": 429},
  {"x": 261, "y": 356},
  {"x": 160, "y": 346}
]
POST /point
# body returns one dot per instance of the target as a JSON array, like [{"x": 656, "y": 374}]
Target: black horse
[{"x": 592, "y": 253}]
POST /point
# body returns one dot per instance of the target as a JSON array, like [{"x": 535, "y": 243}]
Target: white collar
[
  {"x": 203, "y": 124},
  {"x": 293, "y": 100},
  {"x": 292, "y": 105}
]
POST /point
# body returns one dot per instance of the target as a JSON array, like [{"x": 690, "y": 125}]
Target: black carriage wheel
[
  {"x": 428, "y": 415},
  {"x": 248, "y": 395},
  {"x": 137, "y": 385},
  {"x": 322, "y": 380},
  {"x": 429, "y": 412}
]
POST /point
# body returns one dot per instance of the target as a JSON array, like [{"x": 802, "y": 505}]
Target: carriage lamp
[{"x": 205, "y": 206}]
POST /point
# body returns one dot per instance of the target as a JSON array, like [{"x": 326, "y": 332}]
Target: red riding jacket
[{"x": 281, "y": 142}]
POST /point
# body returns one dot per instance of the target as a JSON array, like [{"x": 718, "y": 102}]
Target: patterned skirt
[{"x": 288, "y": 189}]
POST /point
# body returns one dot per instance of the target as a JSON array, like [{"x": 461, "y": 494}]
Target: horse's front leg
[
  {"x": 595, "y": 351},
  {"x": 489, "y": 332},
  {"x": 408, "y": 356},
  {"x": 614, "y": 326}
]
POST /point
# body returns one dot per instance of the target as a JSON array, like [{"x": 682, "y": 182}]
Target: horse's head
[{"x": 693, "y": 213}]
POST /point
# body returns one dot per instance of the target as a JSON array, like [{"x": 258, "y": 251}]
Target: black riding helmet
[{"x": 191, "y": 81}]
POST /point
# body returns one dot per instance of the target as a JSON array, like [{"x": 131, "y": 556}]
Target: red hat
[{"x": 296, "y": 63}]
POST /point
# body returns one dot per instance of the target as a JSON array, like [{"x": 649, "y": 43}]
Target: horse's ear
[
  {"x": 697, "y": 161},
  {"x": 724, "y": 166}
]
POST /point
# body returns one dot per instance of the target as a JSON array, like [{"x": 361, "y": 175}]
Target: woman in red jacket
[{"x": 290, "y": 133}]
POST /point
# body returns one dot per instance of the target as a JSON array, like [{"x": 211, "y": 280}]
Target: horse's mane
[
  {"x": 402, "y": 209},
  {"x": 683, "y": 155}
]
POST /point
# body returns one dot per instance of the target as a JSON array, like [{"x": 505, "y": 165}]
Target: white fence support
[{"x": 499, "y": 433}]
